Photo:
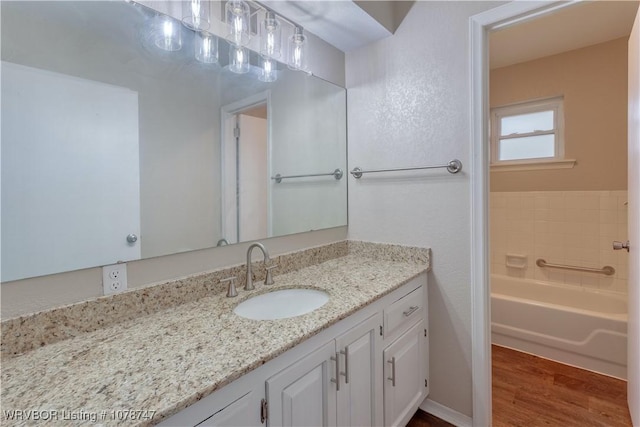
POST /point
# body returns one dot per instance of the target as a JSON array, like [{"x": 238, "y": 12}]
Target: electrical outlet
[{"x": 114, "y": 278}]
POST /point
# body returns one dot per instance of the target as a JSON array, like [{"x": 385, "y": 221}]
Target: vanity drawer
[{"x": 404, "y": 312}]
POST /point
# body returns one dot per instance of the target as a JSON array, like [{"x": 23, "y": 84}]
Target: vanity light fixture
[
  {"x": 195, "y": 14},
  {"x": 167, "y": 33},
  {"x": 297, "y": 58},
  {"x": 237, "y": 14},
  {"x": 270, "y": 36},
  {"x": 238, "y": 59},
  {"x": 206, "y": 47},
  {"x": 268, "y": 73}
]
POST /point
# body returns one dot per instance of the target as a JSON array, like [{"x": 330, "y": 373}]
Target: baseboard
[{"x": 446, "y": 414}]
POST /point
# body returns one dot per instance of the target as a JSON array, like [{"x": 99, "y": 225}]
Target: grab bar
[
  {"x": 337, "y": 174},
  {"x": 606, "y": 270},
  {"x": 454, "y": 166}
]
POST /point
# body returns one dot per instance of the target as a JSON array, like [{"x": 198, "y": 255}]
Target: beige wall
[{"x": 593, "y": 81}]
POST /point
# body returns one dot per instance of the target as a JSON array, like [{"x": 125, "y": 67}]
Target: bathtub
[{"x": 569, "y": 324}]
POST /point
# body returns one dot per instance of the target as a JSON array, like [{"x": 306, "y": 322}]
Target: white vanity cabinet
[
  {"x": 342, "y": 376},
  {"x": 334, "y": 385},
  {"x": 303, "y": 394},
  {"x": 405, "y": 384},
  {"x": 237, "y": 404},
  {"x": 242, "y": 412},
  {"x": 406, "y": 357},
  {"x": 360, "y": 374}
]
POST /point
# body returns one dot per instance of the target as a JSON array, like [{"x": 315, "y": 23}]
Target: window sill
[{"x": 533, "y": 166}]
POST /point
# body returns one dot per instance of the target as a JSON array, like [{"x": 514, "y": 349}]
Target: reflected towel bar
[
  {"x": 454, "y": 166},
  {"x": 606, "y": 270},
  {"x": 337, "y": 174}
]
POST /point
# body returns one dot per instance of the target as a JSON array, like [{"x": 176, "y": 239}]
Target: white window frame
[{"x": 555, "y": 104}]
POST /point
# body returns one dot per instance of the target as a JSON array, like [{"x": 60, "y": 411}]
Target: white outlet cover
[{"x": 114, "y": 278}]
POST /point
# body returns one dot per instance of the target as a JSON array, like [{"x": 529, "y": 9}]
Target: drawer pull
[
  {"x": 393, "y": 371},
  {"x": 411, "y": 310}
]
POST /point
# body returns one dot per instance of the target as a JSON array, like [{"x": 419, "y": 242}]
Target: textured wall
[{"x": 408, "y": 104}]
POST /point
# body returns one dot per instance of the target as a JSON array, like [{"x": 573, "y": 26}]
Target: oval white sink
[{"x": 281, "y": 304}]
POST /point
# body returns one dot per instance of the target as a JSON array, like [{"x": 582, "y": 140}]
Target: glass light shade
[
  {"x": 237, "y": 18},
  {"x": 297, "y": 59},
  {"x": 270, "y": 36},
  {"x": 168, "y": 34},
  {"x": 195, "y": 14},
  {"x": 268, "y": 73},
  {"x": 206, "y": 48},
  {"x": 238, "y": 59}
]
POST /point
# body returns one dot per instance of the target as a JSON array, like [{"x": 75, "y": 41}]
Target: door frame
[
  {"x": 226, "y": 112},
  {"x": 479, "y": 27}
]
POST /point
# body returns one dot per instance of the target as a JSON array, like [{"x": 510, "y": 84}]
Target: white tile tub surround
[{"x": 563, "y": 227}]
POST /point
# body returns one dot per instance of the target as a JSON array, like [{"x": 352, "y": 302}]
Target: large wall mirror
[{"x": 114, "y": 149}]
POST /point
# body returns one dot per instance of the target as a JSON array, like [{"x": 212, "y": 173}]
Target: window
[{"x": 525, "y": 133}]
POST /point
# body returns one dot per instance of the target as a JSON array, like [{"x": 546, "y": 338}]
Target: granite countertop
[{"x": 163, "y": 362}]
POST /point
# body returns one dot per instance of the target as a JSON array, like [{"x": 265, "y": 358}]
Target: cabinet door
[
  {"x": 405, "y": 375},
  {"x": 360, "y": 374},
  {"x": 243, "y": 412},
  {"x": 304, "y": 394}
]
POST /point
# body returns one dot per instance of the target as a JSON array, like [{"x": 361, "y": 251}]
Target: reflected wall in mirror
[{"x": 116, "y": 150}]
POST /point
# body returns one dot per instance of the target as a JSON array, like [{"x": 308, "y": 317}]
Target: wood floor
[
  {"x": 529, "y": 391},
  {"x": 422, "y": 419}
]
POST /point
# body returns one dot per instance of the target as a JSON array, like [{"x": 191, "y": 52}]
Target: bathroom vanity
[
  {"x": 176, "y": 352},
  {"x": 360, "y": 359},
  {"x": 368, "y": 369}
]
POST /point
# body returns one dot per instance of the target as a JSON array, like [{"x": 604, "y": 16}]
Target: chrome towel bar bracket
[
  {"x": 337, "y": 174},
  {"x": 454, "y": 166}
]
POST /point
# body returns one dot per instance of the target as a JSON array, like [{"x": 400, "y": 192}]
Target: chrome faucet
[{"x": 249, "y": 285}]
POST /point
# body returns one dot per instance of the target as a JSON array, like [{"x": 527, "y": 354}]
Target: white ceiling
[
  {"x": 584, "y": 24},
  {"x": 342, "y": 24}
]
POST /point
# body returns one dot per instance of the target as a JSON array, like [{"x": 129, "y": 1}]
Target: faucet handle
[
  {"x": 231, "y": 290},
  {"x": 269, "y": 279}
]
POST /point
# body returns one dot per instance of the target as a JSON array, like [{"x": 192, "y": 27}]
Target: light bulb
[
  {"x": 195, "y": 14},
  {"x": 237, "y": 18},
  {"x": 268, "y": 72},
  {"x": 195, "y": 10},
  {"x": 168, "y": 35},
  {"x": 206, "y": 48},
  {"x": 238, "y": 59},
  {"x": 238, "y": 25},
  {"x": 297, "y": 50},
  {"x": 270, "y": 35}
]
